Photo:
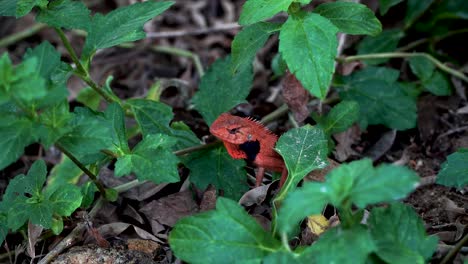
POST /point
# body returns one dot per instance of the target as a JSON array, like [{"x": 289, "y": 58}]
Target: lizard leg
[
  {"x": 259, "y": 176},
  {"x": 284, "y": 176}
]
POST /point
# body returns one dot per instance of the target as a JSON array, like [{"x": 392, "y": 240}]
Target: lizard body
[{"x": 245, "y": 138}]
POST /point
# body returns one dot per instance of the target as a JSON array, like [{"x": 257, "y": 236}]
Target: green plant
[{"x": 34, "y": 109}]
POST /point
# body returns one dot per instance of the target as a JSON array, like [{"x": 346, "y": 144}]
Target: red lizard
[{"x": 245, "y": 138}]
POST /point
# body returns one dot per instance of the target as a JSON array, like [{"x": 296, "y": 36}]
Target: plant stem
[
  {"x": 454, "y": 250},
  {"x": 81, "y": 72},
  {"x": 13, "y": 38},
  {"x": 388, "y": 55},
  {"x": 196, "y": 148},
  {"x": 80, "y": 165}
]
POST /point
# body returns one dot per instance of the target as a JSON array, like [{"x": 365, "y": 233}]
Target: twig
[
  {"x": 451, "y": 131},
  {"x": 180, "y": 33},
  {"x": 455, "y": 250},
  {"x": 13, "y": 38},
  {"x": 91, "y": 175},
  {"x": 388, "y": 55}
]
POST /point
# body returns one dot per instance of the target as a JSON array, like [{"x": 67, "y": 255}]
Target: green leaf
[
  {"x": 400, "y": 235},
  {"x": 228, "y": 234},
  {"x": 278, "y": 65},
  {"x": 34, "y": 208},
  {"x": 437, "y": 84},
  {"x": 254, "y": 11},
  {"x": 57, "y": 225},
  {"x": 282, "y": 257},
  {"x": 65, "y": 14},
  {"x": 380, "y": 101},
  {"x": 185, "y": 137},
  {"x": 415, "y": 8},
  {"x": 152, "y": 159},
  {"x": 220, "y": 89},
  {"x": 300, "y": 203},
  {"x": 153, "y": 117},
  {"x": 64, "y": 172},
  {"x": 54, "y": 123},
  {"x": 350, "y": 18},
  {"x": 124, "y": 24},
  {"x": 386, "y": 4},
  {"x": 215, "y": 166},
  {"x": 87, "y": 190},
  {"x": 340, "y": 117},
  {"x": 247, "y": 42},
  {"x": 313, "y": 63},
  {"x": 23, "y": 7},
  {"x": 3, "y": 223},
  {"x": 359, "y": 183},
  {"x": 115, "y": 114},
  {"x": 454, "y": 171},
  {"x": 421, "y": 67},
  {"x": 387, "y": 41},
  {"x": 64, "y": 200},
  {"x": 91, "y": 133},
  {"x": 8, "y": 7},
  {"x": 15, "y": 134},
  {"x": 89, "y": 98},
  {"x": 303, "y": 150},
  {"x": 53, "y": 70},
  {"x": 353, "y": 244}
]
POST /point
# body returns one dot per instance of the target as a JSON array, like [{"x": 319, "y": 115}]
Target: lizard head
[{"x": 233, "y": 129}]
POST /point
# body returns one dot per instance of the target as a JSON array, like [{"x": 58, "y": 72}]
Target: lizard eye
[{"x": 233, "y": 131}]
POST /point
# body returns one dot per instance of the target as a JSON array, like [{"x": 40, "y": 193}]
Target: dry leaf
[
  {"x": 296, "y": 97},
  {"x": 317, "y": 224}
]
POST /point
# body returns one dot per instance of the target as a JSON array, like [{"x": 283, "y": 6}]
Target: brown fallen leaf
[
  {"x": 296, "y": 97},
  {"x": 171, "y": 208}
]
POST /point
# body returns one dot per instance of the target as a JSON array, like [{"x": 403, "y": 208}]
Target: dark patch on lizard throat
[{"x": 251, "y": 149}]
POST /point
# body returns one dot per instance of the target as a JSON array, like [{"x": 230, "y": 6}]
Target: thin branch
[
  {"x": 80, "y": 165},
  {"x": 13, "y": 38},
  {"x": 455, "y": 250},
  {"x": 181, "y": 33},
  {"x": 436, "y": 62}
]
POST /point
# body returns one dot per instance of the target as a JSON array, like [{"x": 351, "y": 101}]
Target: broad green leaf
[
  {"x": 313, "y": 63},
  {"x": 254, "y": 11},
  {"x": 421, "y": 67},
  {"x": 64, "y": 200},
  {"x": 88, "y": 190},
  {"x": 454, "y": 9},
  {"x": 3, "y": 222},
  {"x": 300, "y": 203},
  {"x": 153, "y": 117},
  {"x": 89, "y": 98},
  {"x": 8, "y": 7},
  {"x": 185, "y": 137},
  {"x": 437, "y": 84},
  {"x": 361, "y": 184},
  {"x": 15, "y": 134},
  {"x": 65, "y": 14},
  {"x": 64, "y": 172},
  {"x": 53, "y": 70},
  {"x": 384, "y": 184},
  {"x": 91, "y": 133},
  {"x": 278, "y": 65},
  {"x": 339, "y": 245},
  {"x": 215, "y": 166},
  {"x": 57, "y": 225},
  {"x": 247, "y": 42},
  {"x": 386, "y": 4},
  {"x": 414, "y": 9},
  {"x": 387, "y": 41},
  {"x": 23, "y": 7},
  {"x": 283, "y": 257},
  {"x": 115, "y": 114},
  {"x": 152, "y": 159},
  {"x": 380, "y": 101},
  {"x": 220, "y": 89},
  {"x": 227, "y": 234},
  {"x": 54, "y": 123},
  {"x": 381, "y": 73},
  {"x": 35, "y": 178},
  {"x": 399, "y": 235},
  {"x": 121, "y": 25},
  {"x": 303, "y": 150},
  {"x": 340, "y": 117},
  {"x": 350, "y": 18},
  {"x": 454, "y": 171},
  {"x": 22, "y": 83}
]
